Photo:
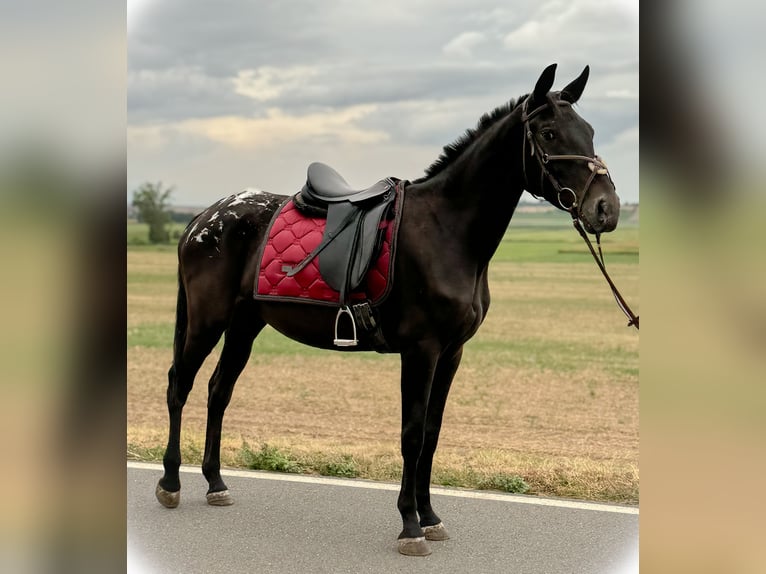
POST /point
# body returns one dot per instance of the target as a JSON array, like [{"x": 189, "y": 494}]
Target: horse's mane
[{"x": 452, "y": 151}]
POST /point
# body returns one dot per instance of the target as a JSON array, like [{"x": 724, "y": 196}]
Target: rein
[
  {"x": 632, "y": 317},
  {"x": 597, "y": 167}
]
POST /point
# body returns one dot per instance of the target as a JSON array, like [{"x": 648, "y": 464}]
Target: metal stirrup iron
[{"x": 345, "y": 342}]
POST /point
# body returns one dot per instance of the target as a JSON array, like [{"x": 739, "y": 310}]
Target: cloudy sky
[{"x": 233, "y": 94}]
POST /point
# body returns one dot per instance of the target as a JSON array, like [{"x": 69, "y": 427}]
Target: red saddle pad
[{"x": 291, "y": 237}]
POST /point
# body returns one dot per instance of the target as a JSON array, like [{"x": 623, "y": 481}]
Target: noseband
[
  {"x": 596, "y": 164},
  {"x": 597, "y": 167}
]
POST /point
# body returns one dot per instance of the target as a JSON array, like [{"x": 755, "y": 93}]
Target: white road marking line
[{"x": 436, "y": 490}]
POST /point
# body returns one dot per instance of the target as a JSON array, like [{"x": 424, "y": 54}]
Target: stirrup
[{"x": 345, "y": 342}]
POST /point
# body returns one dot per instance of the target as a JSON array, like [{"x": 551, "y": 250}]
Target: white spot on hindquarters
[
  {"x": 200, "y": 237},
  {"x": 244, "y": 196},
  {"x": 191, "y": 231},
  {"x": 264, "y": 202},
  {"x": 222, "y": 209}
]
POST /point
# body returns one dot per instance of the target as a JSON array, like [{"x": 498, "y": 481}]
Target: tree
[{"x": 152, "y": 204}]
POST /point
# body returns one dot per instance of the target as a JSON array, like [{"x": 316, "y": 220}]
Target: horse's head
[{"x": 559, "y": 162}]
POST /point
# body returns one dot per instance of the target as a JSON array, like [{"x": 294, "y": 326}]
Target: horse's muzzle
[{"x": 601, "y": 213}]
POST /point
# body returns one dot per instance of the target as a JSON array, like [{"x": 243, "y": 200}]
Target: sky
[{"x": 233, "y": 94}]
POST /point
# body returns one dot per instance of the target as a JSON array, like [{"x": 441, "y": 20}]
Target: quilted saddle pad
[{"x": 292, "y": 236}]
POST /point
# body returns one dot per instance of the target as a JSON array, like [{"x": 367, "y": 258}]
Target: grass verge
[{"x": 543, "y": 476}]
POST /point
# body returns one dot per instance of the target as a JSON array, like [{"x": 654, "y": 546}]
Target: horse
[{"x": 451, "y": 223}]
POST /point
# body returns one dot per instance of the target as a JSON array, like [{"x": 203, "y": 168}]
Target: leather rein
[{"x": 597, "y": 167}]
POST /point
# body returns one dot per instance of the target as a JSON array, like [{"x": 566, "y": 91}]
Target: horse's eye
[{"x": 548, "y": 135}]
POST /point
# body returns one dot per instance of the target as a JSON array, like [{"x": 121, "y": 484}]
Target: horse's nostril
[{"x": 601, "y": 211}]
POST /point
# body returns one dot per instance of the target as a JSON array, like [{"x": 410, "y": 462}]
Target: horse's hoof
[
  {"x": 220, "y": 498},
  {"x": 436, "y": 532},
  {"x": 167, "y": 499},
  {"x": 414, "y": 546}
]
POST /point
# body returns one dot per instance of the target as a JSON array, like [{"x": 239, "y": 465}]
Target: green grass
[
  {"x": 275, "y": 459},
  {"x": 473, "y": 478},
  {"x": 270, "y": 342},
  {"x": 565, "y": 356},
  {"x": 505, "y": 482},
  {"x": 269, "y": 458},
  {"x": 138, "y": 233},
  {"x": 558, "y": 242},
  {"x": 345, "y": 467},
  {"x": 141, "y": 452}
]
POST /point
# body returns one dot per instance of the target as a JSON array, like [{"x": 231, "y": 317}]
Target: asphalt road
[{"x": 294, "y": 524}]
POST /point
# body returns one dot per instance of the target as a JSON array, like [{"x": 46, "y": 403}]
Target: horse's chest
[{"x": 455, "y": 312}]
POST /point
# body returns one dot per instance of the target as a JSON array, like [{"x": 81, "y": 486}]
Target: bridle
[
  {"x": 596, "y": 164},
  {"x": 597, "y": 167}
]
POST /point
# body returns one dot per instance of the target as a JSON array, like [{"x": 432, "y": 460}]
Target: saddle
[
  {"x": 351, "y": 236},
  {"x": 326, "y": 186}
]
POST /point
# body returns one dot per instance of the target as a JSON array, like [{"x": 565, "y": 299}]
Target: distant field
[
  {"x": 546, "y": 397},
  {"x": 138, "y": 233}
]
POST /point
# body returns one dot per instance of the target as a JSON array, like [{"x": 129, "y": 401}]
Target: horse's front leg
[
  {"x": 418, "y": 366},
  {"x": 442, "y": 380}
]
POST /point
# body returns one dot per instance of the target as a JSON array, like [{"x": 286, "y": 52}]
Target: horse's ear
[
  {"x": 544, "y": 84},
  {"x": 574, "y": 90}
]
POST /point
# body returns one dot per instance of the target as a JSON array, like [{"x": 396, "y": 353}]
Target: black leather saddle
[
  {"x": 352, "y": 236},
  {"x": 325, "y": 186}
]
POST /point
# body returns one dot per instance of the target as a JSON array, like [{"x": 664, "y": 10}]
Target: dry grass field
[{"x": 545, "y": 402}]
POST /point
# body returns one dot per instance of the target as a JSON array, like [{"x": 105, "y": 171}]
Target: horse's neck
[{"x": 482, "y": 188}]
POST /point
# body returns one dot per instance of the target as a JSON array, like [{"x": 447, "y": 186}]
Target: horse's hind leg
[
  {"x": 197, "y": 347},
  {"x": 236, "y": 352}
]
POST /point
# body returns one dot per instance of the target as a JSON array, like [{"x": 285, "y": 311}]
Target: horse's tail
[{"x": 182, "y": 319}]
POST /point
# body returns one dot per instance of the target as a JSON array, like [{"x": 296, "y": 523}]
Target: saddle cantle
[{"x": 354, "y": 227}]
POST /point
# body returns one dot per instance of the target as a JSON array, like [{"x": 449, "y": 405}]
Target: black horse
[{"x": 451, "y": 224}]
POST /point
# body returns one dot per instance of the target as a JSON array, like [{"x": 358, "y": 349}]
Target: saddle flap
[
  {"x": 346, "y": 259},
  {"x": 369, "y": 236},
  {"x": 334, "y": 259}
]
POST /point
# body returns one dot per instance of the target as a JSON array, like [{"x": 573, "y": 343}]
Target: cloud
[
  {"x": 629, "y": 137},
  {"x": 180, "y": 92},
  {"x": 279, "y": 77},
  {"x": 222, "y": 40},
  {"x": 276, "y": 128},
  {"x": 624, "y": 94},
  {"x": 564, "y": 31},
  {"x": 464, "y": 44},
  {"x": 269, "y": 83},
  {"x": 622, "y": 156}
]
